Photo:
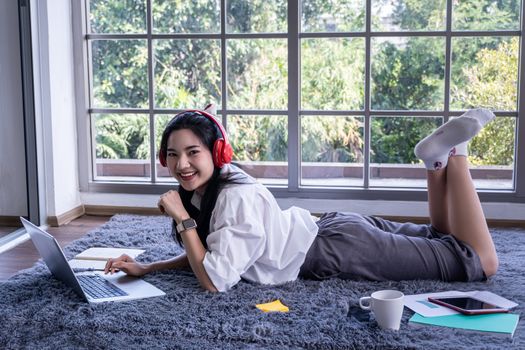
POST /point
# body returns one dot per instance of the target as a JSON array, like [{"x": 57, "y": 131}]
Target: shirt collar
[{"x": 196, "y": 200}]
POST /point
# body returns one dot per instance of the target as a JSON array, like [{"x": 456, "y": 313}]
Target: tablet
[{"x": 467, "y": 305}]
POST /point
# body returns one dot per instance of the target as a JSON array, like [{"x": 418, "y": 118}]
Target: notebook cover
[{"x": 498, "y": 323}]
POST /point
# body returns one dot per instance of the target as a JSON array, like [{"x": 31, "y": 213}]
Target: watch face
[
  {"x": 190, "y": 223},
  {"x": 186, "y": 225}
]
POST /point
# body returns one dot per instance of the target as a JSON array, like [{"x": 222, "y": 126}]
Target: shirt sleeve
[{"x": 237, "y": 239}]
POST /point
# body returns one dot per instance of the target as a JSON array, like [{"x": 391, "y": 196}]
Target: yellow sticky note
[{"x": 273, "y": 307}]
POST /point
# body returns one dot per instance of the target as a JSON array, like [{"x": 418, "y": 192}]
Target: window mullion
[
  {"x": 82, "y": 92},
  {"x": 91, "y": 98},
  {"x": 519, "y": 156},
  {"x": 224, "y": 66},
  {"x": 151, "y": 94},
  {"x": 294, "y": 127},
  {"x": 448, "y": 62},
  {"x": 368, "y": 81}
]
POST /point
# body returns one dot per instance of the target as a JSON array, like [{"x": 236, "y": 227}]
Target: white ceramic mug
[{"x": 387, "y": 306}]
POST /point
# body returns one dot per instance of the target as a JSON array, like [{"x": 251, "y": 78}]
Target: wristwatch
[{"x": 186, "y": 225}]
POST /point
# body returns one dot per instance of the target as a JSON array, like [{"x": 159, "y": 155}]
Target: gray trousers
[{"x": 352, "y": 246}]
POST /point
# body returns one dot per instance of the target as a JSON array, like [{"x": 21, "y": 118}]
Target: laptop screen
[{"x": 53, "y": 256}]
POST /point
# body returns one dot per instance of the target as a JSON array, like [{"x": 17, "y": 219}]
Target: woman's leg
[
  {"x": 437, "y": 199},
  {"x": 352, "y": 246},
  {"x": 466, "y": 219},
  {"x": 453, "y": 202}
]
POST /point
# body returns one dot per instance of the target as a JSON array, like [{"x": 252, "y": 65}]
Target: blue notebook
[{"x": 504, "y": 323}]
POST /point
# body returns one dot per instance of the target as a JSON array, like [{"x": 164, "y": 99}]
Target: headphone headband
[
  {"x": 210, "y": 117},
  {"x": 222, "y": 151}
]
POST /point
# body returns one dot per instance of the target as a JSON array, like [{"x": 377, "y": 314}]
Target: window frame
[{"x": 86, "y": 130}]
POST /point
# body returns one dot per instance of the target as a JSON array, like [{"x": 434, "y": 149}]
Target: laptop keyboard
[{"x": 98, "y": 287}]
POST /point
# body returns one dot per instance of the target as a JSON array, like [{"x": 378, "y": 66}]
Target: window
[{"x": 318, "y": 96}]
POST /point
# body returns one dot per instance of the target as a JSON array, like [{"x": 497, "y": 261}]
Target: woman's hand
[
  {"x": 127, "y": 264},
  {"x": 171, "y": 204}
]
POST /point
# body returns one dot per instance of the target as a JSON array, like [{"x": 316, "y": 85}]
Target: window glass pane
[
  {"x": 332, "y": 151},
  {"x": 484, "y": 73},
  {"x": 256, "y": 16},
  {"x": 187, "y": 73},
  {"x": 396, "y": 15},
  {"x": 124, "y": 16},
  {"x": 257, "y": 74},
  {"x": 486, "y": 15},
  {"x": 163, "y": 174},
  {"x": 332, "y": 74},
  {"x": 491, "y": 154},
  {"x": 120, "y": 74},
  {"x": 260, "y": 146},
  {"x": 122, "y": 146},
  {"x": 408, "y": 73},
  {"x": 333, "y": 15},
  {"x": 392, "y": 159},
  {"x": 201, "y": 16}
]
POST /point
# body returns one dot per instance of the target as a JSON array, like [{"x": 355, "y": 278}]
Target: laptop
[{"x": 93, "y": 286}]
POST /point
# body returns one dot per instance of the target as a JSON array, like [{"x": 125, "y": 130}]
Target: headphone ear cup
[
  {"x": 222, "y": 153},
  {"x": 227, "y": 153},
  {"x": 217, "y": 150},
  {"x": 162, "y": 159}
]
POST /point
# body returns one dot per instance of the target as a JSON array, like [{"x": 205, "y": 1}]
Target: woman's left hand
[{"x": 170, "y": 204}]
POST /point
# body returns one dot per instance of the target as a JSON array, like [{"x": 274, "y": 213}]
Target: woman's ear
[{"x": 211, "y": 108}]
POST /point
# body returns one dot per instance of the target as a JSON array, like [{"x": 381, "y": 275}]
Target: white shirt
[{"x": 252, "y": 238}]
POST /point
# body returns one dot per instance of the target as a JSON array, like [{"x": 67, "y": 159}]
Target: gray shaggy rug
[{"x": 39, "y": 312}]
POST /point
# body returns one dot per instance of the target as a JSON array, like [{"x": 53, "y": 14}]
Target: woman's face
[{"x": 189, "y": 160}]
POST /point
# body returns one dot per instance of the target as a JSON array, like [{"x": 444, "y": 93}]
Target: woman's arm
[
  {"x": 196, "y": 252},
  {"x": 171, "y": 204},
  {"x": 133, "y": 268},
  {"x": 178, "y": 262},
  {"x": 193, "y": 258}
]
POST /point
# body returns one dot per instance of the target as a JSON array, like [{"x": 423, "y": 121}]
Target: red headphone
[{"x": 222, "y": 152}]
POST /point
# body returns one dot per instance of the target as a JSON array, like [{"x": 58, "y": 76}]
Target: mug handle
[{"x": 362, "y": 303}]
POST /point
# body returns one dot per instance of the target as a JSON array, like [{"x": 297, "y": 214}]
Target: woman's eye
[
  {"x": 194, "y": 152},
  {"x": 171, "y": 154}
]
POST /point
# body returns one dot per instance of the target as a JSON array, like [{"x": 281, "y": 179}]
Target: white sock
[
  {"x": 434, "y": 149},
  {"x": 459, "y": 150}
]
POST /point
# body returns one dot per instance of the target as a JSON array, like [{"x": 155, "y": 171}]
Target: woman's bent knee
[{"x": 490, "y": 265}]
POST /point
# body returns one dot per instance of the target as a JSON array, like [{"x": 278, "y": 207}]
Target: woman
[{"x": 232, "y": 227}]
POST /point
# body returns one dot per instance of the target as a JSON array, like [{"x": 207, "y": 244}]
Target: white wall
[
  {"x": 55, "y": 99},
  {"x": 13, "y": 199}
]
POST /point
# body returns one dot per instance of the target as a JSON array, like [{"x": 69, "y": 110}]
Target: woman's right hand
[
  {"x": 170, "y": 204},
  {"x": 127, "y": 264}
]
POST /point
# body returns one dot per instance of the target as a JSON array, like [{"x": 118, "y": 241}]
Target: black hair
[{"x": 208, "y": 132}]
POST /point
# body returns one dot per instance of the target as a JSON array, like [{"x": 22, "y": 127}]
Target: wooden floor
[{"x": 25, "y": 255}]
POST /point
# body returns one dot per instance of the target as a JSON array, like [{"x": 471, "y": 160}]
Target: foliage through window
[{"x": 423, "y": 68}]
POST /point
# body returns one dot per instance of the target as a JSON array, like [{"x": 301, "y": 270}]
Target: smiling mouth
[{"x": 187, "y": 176}]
